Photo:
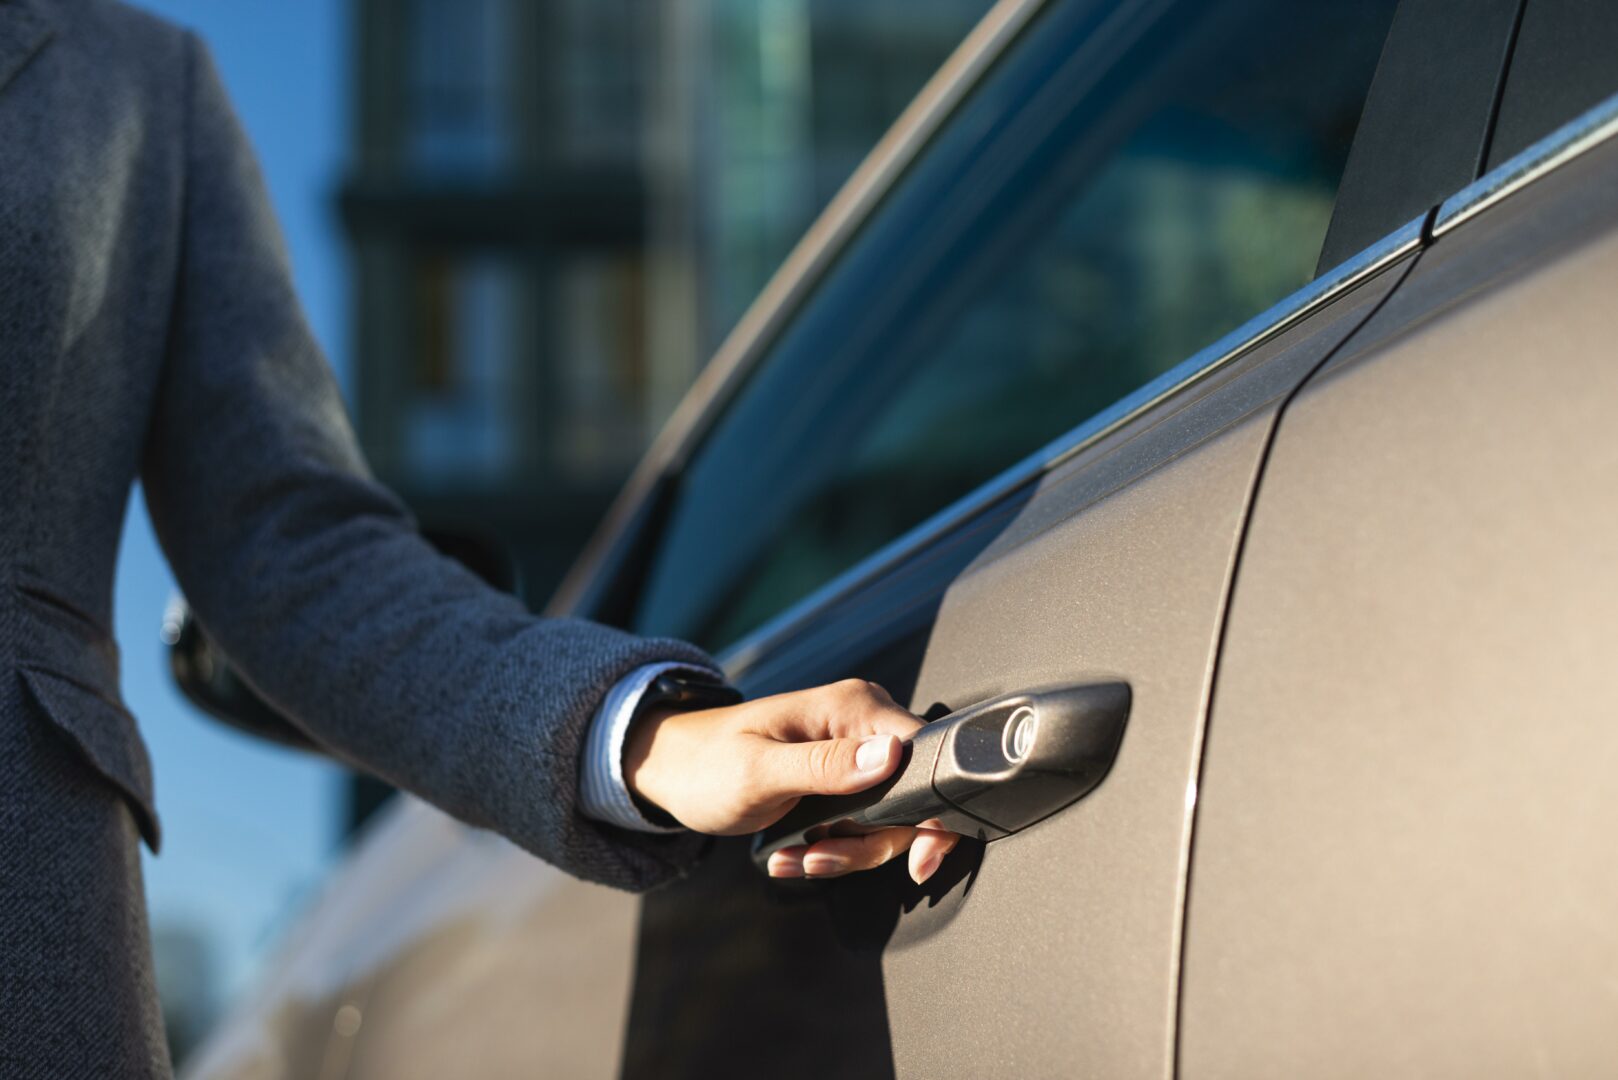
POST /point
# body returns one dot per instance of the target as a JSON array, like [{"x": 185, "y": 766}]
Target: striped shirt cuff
[{"x": 603, "y": 794}]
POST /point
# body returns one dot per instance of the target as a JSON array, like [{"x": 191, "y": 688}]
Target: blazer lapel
[{"x": 24, "y": 30}]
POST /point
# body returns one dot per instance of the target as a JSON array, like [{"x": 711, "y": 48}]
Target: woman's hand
[{"x": 735, "y": 770}]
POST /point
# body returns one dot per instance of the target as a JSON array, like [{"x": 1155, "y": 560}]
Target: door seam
[
  {"x": 1204, "y": 729},
  {"x": 1487, "y": 149}
]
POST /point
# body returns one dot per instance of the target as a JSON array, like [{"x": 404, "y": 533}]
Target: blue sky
[{"x": 247, "y": 828}]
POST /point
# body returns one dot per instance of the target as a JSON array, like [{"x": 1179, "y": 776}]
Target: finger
[
  {"x": 847, "y": 854},
  {"x": 838, "y": 710},
  {"x": 787, "y": 771},
  {"x": 788, "y": 862},
  {"x": 927, "y": 852}
]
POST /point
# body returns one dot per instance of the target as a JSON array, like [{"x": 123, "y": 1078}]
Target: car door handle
[{"x": 985, "y": 771}]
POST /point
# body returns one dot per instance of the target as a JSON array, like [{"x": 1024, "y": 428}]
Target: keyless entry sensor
[{"x": 986, "y": 771}]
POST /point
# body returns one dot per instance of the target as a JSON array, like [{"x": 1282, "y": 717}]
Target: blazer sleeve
[{"x": 312, "y": 576}]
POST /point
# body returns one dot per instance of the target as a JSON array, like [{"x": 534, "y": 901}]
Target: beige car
[{"x": 1257, "y": 358}]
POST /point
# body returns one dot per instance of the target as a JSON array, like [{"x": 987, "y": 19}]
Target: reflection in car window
[{"x": 1129, "y": 185}]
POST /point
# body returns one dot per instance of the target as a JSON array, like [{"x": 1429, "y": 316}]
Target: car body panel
[
  {"x": 1116, "y": 565},
  {"x": 438, "y": 950},
  {"x": 1137, "y": 510},
  {"x": 1403, "y": 856},
  {"x": 1117, "y": 568}
]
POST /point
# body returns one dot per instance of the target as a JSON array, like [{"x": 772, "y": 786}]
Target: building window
[
  {"x": 458, "y": 90},
  {"x": 459, "y": 414},
  {"x": 601, "y": 78},
  {"x": 600, "y": 366}
]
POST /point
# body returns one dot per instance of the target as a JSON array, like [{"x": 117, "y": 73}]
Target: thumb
[{"x": 829, "y": 766}]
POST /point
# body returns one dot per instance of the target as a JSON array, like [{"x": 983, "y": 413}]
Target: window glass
[
  {"x": 458, "y": 85},
  {"x": 604, "y": 54},
  {"x": 511, "y": 388},
  {"x": 795, "y": 92},
  {"x": 598, "y": 384},
  {"x": 455, "y": 418},
  {"x": 1129, "y": 185}
]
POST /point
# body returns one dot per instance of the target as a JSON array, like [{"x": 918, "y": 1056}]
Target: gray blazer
[{"x": 148, "y": 329}]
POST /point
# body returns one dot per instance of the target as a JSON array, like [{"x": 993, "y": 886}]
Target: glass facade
[
  {"x": 459, "y": 115},
  {"x": 557, "y": 208},
  {"x": 798, "y": 92},
  {"x": 455, "y": 421},
  {"x": 495, "y": 210},
  {"x": 604, "y": 76}
]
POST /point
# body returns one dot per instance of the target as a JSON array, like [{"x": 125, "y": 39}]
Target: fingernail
[
  {"x": 872, "y": 754},
  {"x": 927, "y": 868},
  {"x": 816, "y": 865},
  {"x": 783, "y": 865}
]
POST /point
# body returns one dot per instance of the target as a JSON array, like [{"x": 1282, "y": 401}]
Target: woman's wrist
[{"x": 639, "y": 772}]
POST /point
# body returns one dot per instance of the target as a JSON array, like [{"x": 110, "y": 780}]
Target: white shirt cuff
[{"x": 603, "y": 794}]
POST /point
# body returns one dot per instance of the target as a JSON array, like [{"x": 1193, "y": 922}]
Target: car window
[{"x": 1132, "y": 182}]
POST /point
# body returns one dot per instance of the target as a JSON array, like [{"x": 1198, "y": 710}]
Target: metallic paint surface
[
  {"x": 1404, "y": 859},
  {"x": 1063, "y": 957},
  {"x": 436, "y": 951}
]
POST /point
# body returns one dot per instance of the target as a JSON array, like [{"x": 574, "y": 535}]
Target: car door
[
  {"x": 996, "y": 429},
  {"x": 1404, "y": 859}
]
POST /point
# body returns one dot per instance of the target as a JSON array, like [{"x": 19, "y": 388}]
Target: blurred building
[
  {"x": 496, "y": 210},
  {"x": 186, "y": 971},
  {"x": 557, "y": 208},
  {"x": 763, "y": 109}
]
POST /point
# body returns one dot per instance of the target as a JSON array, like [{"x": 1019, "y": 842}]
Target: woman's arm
[{"x": 312, "y": 578}]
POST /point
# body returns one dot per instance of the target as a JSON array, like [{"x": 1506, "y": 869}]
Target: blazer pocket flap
[{"x": 106, "y": 735}]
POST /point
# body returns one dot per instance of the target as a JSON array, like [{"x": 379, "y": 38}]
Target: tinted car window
[{"x": 1129, "y": 185}]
